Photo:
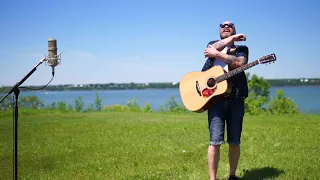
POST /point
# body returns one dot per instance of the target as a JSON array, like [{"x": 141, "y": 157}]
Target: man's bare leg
[
  {"x": 213, "y": 160},
  {"x": 234, "y": 155}
]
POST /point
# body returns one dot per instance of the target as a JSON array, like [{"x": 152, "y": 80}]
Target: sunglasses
[{"x": 224, "y": 25}]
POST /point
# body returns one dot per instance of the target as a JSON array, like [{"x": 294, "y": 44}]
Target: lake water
[{"x": 306, "y": 97}]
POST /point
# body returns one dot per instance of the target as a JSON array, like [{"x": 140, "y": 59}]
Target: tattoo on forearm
[
  {"x": 235, "y": 61},
  {"x": 231, "y": 59},
  {"x": 219, "y": 45}
]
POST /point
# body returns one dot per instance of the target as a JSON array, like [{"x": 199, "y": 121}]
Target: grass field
[{"x": 129, "y": 145}]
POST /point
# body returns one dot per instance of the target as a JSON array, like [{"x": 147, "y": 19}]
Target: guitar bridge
[{"x": 198, "y": 88}]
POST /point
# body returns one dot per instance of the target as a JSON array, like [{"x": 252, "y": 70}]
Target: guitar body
[{"x": 199, "y": 90}]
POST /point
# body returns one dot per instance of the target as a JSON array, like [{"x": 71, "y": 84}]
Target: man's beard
[
  {"x": 223, "y": 37},
  {"x": 226, "y": 36}
]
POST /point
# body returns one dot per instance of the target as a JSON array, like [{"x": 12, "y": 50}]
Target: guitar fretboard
[{"x": 236, "y": 71}]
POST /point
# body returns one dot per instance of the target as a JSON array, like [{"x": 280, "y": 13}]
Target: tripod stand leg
[
  {"x": 16, "y": 91},
  {"x": 15, "y": 133}
]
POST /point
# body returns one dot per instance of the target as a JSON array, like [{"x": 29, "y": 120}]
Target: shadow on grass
[{"x": 262, "y": 173}]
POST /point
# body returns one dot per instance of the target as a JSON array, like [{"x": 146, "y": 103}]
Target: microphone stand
[{"x": 16, "y": 91}]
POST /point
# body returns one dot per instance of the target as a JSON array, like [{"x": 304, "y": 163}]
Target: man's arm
[
  {"x": 234, "y": 61},
  {"x": 221, "y": 44}
]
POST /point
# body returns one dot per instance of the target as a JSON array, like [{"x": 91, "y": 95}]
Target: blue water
[{"x": 306, "y": 97}]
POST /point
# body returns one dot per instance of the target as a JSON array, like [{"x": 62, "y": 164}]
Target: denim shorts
[{"x": 229, "y": 113}]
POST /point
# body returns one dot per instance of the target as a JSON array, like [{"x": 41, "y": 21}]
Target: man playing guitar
[{"x": 227, "y": 110}]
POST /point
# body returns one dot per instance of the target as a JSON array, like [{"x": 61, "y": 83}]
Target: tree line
[
  {"x": 165, "y": 85},
  {"x": 258, "y": 102}
]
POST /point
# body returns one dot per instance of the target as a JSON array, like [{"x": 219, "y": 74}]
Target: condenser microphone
[{"x": 53, "y": 57}]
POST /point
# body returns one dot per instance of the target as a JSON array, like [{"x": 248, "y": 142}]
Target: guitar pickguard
[{"x": 208, "y": 92}]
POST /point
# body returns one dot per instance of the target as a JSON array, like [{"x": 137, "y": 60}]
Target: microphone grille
[
  {"x": 52, "y": 57},
  {"x": 52, "y": 44}
]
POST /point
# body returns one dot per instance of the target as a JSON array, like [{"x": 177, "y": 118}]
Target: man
[{"x": 227, "y": 110}]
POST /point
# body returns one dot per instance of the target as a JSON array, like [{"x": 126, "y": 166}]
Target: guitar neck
[{"x": 237, "y": 71}]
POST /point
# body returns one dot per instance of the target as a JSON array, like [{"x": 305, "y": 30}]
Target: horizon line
[{"x": 155, "y": 82}]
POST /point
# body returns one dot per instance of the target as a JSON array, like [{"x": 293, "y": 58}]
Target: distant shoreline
[
  {"x": 274, "y": 83},
  {"x": 141, "y": 89}
]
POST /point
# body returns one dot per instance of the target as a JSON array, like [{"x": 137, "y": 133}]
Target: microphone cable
[{"x": 24, "y": 87}]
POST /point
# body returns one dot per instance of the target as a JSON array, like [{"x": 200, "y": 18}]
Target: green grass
[{"x": 129, "y": 145}]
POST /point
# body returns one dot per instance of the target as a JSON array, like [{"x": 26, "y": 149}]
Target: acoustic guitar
[{"x": 199, "y": 90}]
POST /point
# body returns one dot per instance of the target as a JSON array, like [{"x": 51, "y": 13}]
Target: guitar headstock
[{"x": 267, "y": 59}]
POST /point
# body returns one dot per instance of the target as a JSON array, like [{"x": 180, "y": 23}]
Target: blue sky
[{"x": 151, "y": 41}]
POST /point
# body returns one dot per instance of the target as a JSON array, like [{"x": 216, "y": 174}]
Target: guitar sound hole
[{"x": 211, "y": 82}]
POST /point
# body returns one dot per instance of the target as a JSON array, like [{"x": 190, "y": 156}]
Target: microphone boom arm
[{"x": 16, "y": 86}]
